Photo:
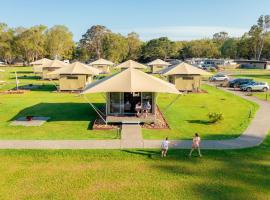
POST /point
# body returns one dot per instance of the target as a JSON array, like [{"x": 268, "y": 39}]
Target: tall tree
[
  {"x": 30, "y": 43},
  {"x": 59, "y": 42},
  {"x": 220, "y": 37},
  {"x": 7, "y": 53},
  {"x": 159, "y": 48},
  {"x": 258, "y": 33},
  {"x": 134, "y": 46},
  {"x": 229, "y": 48},
  {"x": 115, "y": 47},
  {"x": 92, "y": 40}
]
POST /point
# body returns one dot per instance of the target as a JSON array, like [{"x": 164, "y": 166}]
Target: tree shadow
[
  {"x": 147, "y": 153},
  {"x": 24, "y": 72},
  {"x": 198, "y": 121},
  {"x": 34, "y": 87},
  {"x": 62, "y": 112},
  {"x": 27, "y": 77}
]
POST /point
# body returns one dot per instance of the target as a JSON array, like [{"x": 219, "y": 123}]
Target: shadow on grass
[
  {"x": 147, "y": 153},
  {"x": 61, "y": 112},
  {"x": 198, "y": 121},
  {"x": 24, "y": 72},
  {"x": 27, "y": 77},
  {"x": 34, "y": 87}
]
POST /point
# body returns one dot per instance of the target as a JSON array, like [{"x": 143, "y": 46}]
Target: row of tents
[{"x": 77, "y": 75}]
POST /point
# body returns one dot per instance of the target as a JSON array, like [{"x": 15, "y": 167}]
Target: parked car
[
  {"x": 255, "y": 86},
  {"x": 236, "y": 83},
  {"x": 219, "y": 77}
]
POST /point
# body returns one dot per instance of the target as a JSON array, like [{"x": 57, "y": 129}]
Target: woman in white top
[
  {"x": 138, "y": 108},
  {"x": 196, "y": 144},
  {"x": 164, "y": 147}
]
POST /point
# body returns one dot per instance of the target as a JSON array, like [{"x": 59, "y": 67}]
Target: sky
[{"x": 175, "y": 19}]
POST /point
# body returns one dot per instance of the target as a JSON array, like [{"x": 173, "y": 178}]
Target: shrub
[{"x": 215, "y": 117}]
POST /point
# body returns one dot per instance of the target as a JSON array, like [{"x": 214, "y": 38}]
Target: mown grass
[
  {"x": 72, "y": 117},
  {"x": 189, "y": 115},
  {"x": 135, "y": 174}
]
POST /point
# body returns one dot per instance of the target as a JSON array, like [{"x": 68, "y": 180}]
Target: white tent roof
[
  {"x": 40, "y": 61},
  {"x": 76, "y": 68},
  {"x": 131, "y": 80},
  {"x": 183, "y": 68},
  {"x": 130, "y": 64},
  {"x": 158, "y": 62},
  {"x": 54, "y": 64},
  {"x": 102, "y": 61}
]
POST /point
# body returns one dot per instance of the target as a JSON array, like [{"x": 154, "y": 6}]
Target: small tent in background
[
  {"x": 127, "y": 88},
  {"x": 37, "y": 65},
  {"x": 50, "y": 67},
  {"x": 130, "y": 64},
  {"x": 102, "y": 65},
  {"x": 157, "y": 65},
  {"x": 185, "y": 76},
  {"x": 75, "y": 76}
]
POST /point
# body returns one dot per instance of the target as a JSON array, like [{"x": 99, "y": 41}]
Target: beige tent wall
[
  {"x": 156, "y": 68},
  {"x": 46, "y": 70},
  {"x": 186, "y": 82},
  {"x": 72, "y": 82}
]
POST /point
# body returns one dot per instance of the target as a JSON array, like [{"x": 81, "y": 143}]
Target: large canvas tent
[
  {"x": 75, "y": 76},
  {"x": 130, "y": 64},
  {"x": 157, "y": 65},
  {"x": 130, "y": 86},
  {"x": 102, "y": 65},
  {"x": 37, "y": 65},
  {"x": 184, "y": 76},
  {"x": 50, "y": 67}
]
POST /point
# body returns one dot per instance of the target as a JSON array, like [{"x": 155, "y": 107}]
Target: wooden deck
[{"x": 131, "y": 119}]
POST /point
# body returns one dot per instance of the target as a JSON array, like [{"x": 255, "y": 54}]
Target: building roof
[
  {"x": 130, "y": 64},
  {"x": 40, "y": 61},
  {"x": 131, "y": 80},
  {"x": 54, "y": 64},
  {"x": 183, "y": 68},
  {"x": 76, "y": 68},
  {"x": 102, "y": 61},
  {"x": 158, "y": 62}
]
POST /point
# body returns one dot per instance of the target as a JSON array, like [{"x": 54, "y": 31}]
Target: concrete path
[{"x": 132, "y": 138}]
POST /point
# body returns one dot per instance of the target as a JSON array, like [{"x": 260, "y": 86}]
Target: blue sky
[{"x": 176, "y": 19}]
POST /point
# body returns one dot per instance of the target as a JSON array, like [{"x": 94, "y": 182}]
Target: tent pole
[
  {"x": 96, "y": 110},
  {"x": 165, "y": 110}
]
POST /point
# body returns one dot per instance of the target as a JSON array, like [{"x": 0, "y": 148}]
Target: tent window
[
  {"x": 72, "y": 77},
  {"x": 188, "y": 78}
]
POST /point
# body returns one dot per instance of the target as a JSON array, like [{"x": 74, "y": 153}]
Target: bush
[{"x": 215, "y": 117}]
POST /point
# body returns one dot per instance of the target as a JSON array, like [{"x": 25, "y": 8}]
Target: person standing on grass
[
  {"x": 196, "y": 144},
  {"x": 164, "y": 147}
]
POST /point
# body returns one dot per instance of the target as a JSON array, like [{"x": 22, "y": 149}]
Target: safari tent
[
  {"x": 126, "y": 89},
  {"x": 37, "y": 65},
  {"x": 157, "y": 65},
  {"x": 130, "y": 64},
  {"x": 75, "y": 76},
  {"x": 50, "y": 67},
  {"x": 184, "y": 76},
  {"x": 102, "y": 65}
]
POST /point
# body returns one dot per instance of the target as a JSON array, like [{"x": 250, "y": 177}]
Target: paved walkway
[{"x": 132, "y": 138}]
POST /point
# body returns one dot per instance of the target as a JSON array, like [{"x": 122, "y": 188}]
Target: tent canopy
[
  {"x": 54, "y": 64},
  {"x": 158, "y": 62},
  {"x": 76, "y": 68},
  {"x": 131, "y": 80},
  {"x": 102, "y": 61},
  {"x": 40, "y": 61},
  {"x": 184, "y": 68},
  {"x": 130, "y": 64}
]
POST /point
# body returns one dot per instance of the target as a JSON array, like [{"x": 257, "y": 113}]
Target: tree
[
  {"x": 220, "y": 37},
  {"x": 244, "y": 49},
  {"x": 30, "y": 43},
  {"x": 229, "y": 48},
  {"x": 159, "y": 48},
  {"x": 92, "y": 40},
  {"x": 134, "y": 46},
  {"x": 6, "y": 43},
  {"x": 115, "y": 47},
  {"x": 59, "y": 42},
  {"x": 258, "y": 33}
]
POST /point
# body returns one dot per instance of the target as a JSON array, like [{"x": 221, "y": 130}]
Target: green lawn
[
  {"x": 72, "y": 117},
  {"x": 135, "y": 174},
  {"x": 189, "y": 115}
]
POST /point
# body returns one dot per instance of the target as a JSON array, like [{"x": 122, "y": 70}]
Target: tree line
[{"x": 29, "y": 44}]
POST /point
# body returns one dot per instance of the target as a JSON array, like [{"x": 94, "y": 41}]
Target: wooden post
[{"x": 17, "y": 81}]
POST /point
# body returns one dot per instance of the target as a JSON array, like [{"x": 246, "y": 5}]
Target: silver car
[{"x": 255, "y": 86}]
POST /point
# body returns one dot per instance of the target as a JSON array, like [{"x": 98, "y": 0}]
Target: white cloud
[{"x": 182, "y": 32}]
